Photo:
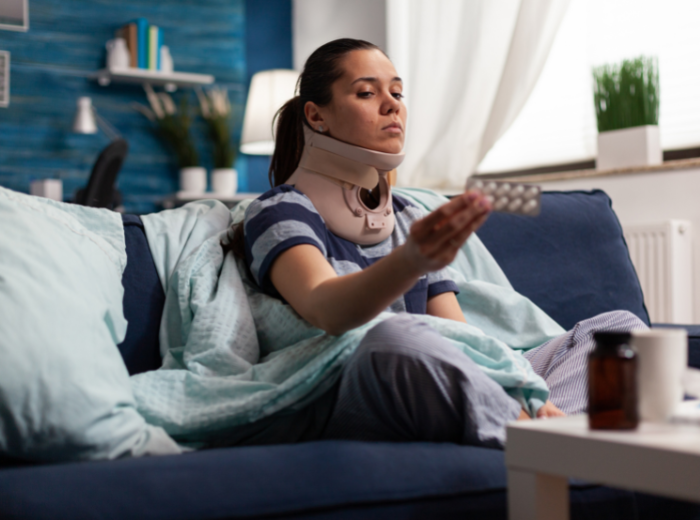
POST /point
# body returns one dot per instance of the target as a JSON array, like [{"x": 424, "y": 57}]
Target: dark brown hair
[{"x": 321, "y": 70}]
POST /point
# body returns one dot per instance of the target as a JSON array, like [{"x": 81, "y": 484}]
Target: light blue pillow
[{"x": 64, "y": 389}]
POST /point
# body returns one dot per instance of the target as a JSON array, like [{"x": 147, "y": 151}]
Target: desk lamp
[{"x": 100, "y": 191}]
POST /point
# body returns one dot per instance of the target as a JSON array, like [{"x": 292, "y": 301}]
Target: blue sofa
[{"x": 571, "y": 260}]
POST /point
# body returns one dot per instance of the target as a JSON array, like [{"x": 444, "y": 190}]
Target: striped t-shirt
[{"x": 284, "y": 217}]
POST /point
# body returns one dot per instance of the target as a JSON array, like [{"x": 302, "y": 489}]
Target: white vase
[
  {"x": 629, "y": 147},
  {"x": 117, "y": 54},
  {"x": 224, "y": 181},
  {"x": 193, "y": 179}
]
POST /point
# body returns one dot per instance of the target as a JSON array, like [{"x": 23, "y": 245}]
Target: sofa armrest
[{"x": 693, "y": 341}]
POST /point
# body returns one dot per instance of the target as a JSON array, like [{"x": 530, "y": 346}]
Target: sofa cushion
[
  {"x": 571, "y": 260},
  {"x": 143, "y": 301}
]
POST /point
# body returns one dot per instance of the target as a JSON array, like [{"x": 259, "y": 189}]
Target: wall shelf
[{"x": 170, "y": 81}]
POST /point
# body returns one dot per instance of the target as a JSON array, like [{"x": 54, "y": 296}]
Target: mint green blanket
[{"x": 232, "y": 355}]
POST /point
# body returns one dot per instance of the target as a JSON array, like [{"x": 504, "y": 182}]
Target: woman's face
[{"x": 367, "y": 108}]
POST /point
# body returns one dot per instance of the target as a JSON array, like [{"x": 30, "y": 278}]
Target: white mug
[{"x": 662, "y": 358}]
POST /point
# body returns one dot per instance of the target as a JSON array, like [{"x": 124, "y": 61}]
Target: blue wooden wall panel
[
  {"x": 268, "y": 46},
  {"x": 50, "y": 65}
]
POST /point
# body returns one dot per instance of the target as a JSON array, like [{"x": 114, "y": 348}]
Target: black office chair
[{"x": 100, "y": 191}]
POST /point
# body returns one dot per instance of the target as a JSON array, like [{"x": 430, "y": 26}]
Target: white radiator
[{"x": 662, "y": 255}]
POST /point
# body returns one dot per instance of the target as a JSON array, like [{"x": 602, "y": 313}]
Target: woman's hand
[
  {"x": 549, "y": 410},
  {"x": 435, "y": 239}
]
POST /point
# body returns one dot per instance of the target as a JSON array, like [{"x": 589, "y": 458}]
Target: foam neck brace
[
  {"x": 345, "y": 162},
  {"x": 335, "y": 176}
]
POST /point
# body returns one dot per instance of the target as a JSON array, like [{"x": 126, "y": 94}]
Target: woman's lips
[{"x": 393, "y": 128}]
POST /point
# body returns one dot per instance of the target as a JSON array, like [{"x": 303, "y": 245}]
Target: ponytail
[{"x": 289, "y": 141}]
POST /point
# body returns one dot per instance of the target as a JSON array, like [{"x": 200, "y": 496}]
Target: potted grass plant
[
  {"x": 173, "y": 126},
  {"x": 626, "y": 99},
  {"x": 215, "y": 108}
]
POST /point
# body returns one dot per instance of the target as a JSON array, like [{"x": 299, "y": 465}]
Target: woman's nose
[{"x": 390, "y": 104}]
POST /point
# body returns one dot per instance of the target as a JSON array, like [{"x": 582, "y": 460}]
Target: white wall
[
  {"x": 647, "y": 198},
  {"x": 315, "y": 22}
]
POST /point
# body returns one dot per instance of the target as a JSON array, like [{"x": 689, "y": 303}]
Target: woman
[{"x": 304, "y": 245}]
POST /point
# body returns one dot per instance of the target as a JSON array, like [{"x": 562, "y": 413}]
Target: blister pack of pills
[{"x": 509, "y": 197}]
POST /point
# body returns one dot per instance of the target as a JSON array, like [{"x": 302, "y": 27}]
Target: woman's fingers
[
  {"x": 550, "y": 410},
  {"x": 426, "y": 227},
  {"x": 436, "y": 238},
  {"x": 447, "y": 237}
]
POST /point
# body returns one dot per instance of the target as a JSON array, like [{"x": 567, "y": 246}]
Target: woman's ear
[{"x": 314, "y": 117}]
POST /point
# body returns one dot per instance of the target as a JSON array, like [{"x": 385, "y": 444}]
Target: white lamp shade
[
  {"x": 269, "y": 90},
  {"x": 84, "y": 121}
]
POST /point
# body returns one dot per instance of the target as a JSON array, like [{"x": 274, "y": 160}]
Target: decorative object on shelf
[
  {"x": 627, "y": 109},
  {"x": 4, "y": 79},
  {"x": 166, "y": 60},
  {"x": 100, "y": 191},
  {"x": 215, "y": 108},
  {"x": 173, "y": 126},
  {"x": 269, "y": 90},
  {"x": 14, "y": 15},
  {"x": 49, "y": 188},
  {"x": 117, "y": 54}
]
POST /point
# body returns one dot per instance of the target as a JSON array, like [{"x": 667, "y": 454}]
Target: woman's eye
[
  {"x": 397, "y": 95},
  {"x": 364, "y": 94}
]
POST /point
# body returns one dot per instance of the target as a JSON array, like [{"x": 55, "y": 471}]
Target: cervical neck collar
[{"x": 336, "y": 176}]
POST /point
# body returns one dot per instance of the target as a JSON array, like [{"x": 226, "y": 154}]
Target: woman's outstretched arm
[{"x": 337, "y": 304}]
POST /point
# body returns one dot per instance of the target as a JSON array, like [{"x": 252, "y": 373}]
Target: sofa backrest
[{"x": 571, "y": 260}]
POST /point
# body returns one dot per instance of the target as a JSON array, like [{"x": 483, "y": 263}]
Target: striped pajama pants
[{"x": 405, "y": 382}]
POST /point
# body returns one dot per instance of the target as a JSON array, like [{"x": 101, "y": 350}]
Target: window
[{"x": 557, "y": 124}]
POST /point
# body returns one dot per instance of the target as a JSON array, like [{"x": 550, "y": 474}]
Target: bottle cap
[{"x": 611, "y": 338}]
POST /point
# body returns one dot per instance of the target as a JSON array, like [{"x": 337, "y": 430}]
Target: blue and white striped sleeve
[
  {"x": 441, "y": 282},
  {"x": 406, "y": 214},
  {"x": 280, "y": 219}
]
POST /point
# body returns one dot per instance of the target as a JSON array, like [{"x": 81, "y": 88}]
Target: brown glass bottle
[{"x": 612, "y": 383}]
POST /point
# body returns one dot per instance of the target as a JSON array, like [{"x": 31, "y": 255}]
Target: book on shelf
[
  {"x": 142, "y": 42},
  {"x": 154, "y": 42},
  {"x": 129, "y": 34}
]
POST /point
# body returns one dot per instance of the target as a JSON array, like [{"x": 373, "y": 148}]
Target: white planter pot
[
  {"x": 193, "y": 180},
  {"x": 224, "y": 181},
  {"x": 638, "y": 146}
]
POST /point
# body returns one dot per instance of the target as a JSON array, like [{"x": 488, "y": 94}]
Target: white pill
[
  {"x": 489, "y": 198},
  {"x": 503, "y": 189},
  {"x": 515, "y": 204},
  {"x": 531, "y": 193},
  {"x": 477, "y": 185},
  {"x": 500, "y": 203},
  {"x": 489, "y": 187},
  {"x": 530, "y": 207},
  {"x": 517, "y": 190}
]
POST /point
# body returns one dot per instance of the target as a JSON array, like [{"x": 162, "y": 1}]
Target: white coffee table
[{"x": 662, "y": 459}]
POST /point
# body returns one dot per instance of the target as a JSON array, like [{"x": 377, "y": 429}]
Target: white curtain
[{"x": 468, "y": 68}]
